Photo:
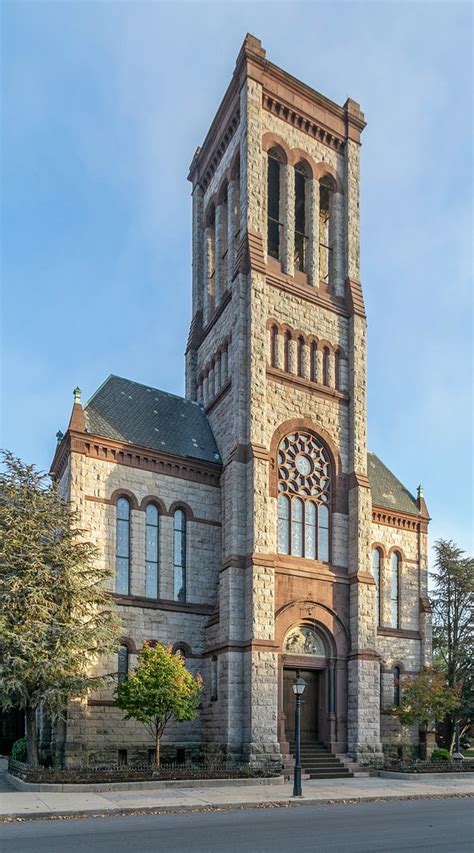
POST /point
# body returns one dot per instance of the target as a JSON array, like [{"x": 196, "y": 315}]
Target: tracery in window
[
  {"x": 376, "y": 560},
  {"x": 395, "y": 590},
  {"x": 304, "y": 481},
  {"x": 122, "y": 547},
  {"x": 151, "y": 550},
  {"x": 273, "y": 214},
  {"x": 179, "y": 555},
  {"x": 301, "y": 239}
]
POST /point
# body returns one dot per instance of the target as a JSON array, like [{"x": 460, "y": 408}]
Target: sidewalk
[{"x": 27, "y": 804}]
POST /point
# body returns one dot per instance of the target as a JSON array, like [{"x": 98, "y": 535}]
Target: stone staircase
[{"x": 318, "y": 763}]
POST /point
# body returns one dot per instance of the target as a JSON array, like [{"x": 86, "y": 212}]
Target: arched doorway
[{"x": 304, "y": 653}]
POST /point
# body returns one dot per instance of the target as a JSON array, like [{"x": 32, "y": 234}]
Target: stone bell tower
[{"x": 276, "y": 353}]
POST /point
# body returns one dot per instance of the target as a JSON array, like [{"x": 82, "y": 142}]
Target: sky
[{"x": 103, "y": 105}]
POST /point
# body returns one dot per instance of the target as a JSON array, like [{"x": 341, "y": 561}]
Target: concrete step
[{"x": 337, "y": 774}]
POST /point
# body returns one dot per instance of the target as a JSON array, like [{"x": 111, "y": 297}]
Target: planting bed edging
[
  {"x": 428, "y": 777},
  {"x": 89, "y": 788}
]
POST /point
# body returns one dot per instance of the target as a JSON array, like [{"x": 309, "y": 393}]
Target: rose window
[{"x": 304, "y": 482}]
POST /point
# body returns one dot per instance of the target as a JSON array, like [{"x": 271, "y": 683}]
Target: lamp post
[
  {"x": 298, "y": 687},
  {"x": 458, "y": 757}
]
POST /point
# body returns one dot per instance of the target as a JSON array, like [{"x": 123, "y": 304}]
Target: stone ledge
[{"x": 20, "y": 785}]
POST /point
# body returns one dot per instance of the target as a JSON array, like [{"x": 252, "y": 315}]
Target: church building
[{"x": 246, "y": 524}]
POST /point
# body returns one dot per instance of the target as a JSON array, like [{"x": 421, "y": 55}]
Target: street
[{"x": 410, "y": 825}]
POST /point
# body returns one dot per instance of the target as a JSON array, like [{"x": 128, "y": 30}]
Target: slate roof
[
  {"x": 139, "y": 414},
  {"x": 387, "y": 491}
]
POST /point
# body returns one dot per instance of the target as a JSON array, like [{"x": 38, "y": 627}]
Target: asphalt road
[{"x": 415, "y": 825}]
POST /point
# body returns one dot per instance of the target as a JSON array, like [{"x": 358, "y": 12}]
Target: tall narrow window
[
  {"x": 122, "y": 547},
  {"x": 396, "y": 685},
  {"x": 274, "y": 346},
  {"x": 376, "y": 575},
  {"x": 301, "y": 238},
  {"x": 283, "y": 524},
  {"x": 337, "y": 369},
  {"x": 304, "y": 483},
  {"x": 151, "y": 551},
  {"x": 214, "y": 678},
  {"x": 122, "y": 664},
  {"x": 325, "y": 249},
  {"x": 300, "y": 366},
  {"x": 179, "y": 555},
  {"x": 287, "y": 354},
  {"x": 314, "y": 362},
  {"x": 325, "y": 366},
  {"x": 273, "y": 183},
  {"x": 395, "y": 590}
]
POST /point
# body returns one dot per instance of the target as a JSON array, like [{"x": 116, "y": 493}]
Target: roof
[
  {"x": 139, "y": 414},
  {"x": 387, "y": 491}
]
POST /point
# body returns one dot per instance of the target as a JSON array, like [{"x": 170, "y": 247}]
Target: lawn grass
[{"x": 469, "y": 753}]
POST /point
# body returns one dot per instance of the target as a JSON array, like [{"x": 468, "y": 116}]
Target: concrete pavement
[{"x": 28, "y": 804}]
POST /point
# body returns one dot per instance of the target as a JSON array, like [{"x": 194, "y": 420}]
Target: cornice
[
  {"x": 134, "y": 456},
  {"x": 398, "y": 632},
  {"x": 401, "y": 520},
  {"x": 162, "y": 604}
]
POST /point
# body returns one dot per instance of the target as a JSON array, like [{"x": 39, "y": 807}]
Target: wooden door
[{"x": 309, "y": 705}]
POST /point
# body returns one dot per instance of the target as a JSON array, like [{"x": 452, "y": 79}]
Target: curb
[
  {"x": 289, "y": 803},
  {"x": 147, "y": 785}
]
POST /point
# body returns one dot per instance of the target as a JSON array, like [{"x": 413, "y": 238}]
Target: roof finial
[
  {"x": 77, "y": 394},
  {"x": 420, "y": 492},
  {"x": 59, "y": 436}
]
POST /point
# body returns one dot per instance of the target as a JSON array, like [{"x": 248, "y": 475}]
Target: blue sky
[{"x": 103, "y": 105}]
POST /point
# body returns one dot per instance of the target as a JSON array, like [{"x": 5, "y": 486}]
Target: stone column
[
  {"x": 331, "y": 370},
  {"x": 287, "y": 250},
  {"x": 313, "y": 232},
  {"x": 205, "y": 389},
  {"x": 218, "y": 255},
  {"x": 209, "y": 273},
  {"x": 218, "y": 380},
  {"x": 293, "y": 359},
  {"x": 336, "y": 240},
  {"x": 331, "y": 671},
  {"x": 198, "y": 241},
  {"x": 319, "y": 366},
  {"x": 231, "y": 229},
  {"x": 211, "y": 384},
  {"x": 280, "y": 350}
]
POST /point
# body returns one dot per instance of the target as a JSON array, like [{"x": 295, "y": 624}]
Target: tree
[
  {"x": 453, "y": 636},
  {"x": 158, "y": 690},
  {"x": 55, "y": 617},
  {"x": 426, "y": 698}
]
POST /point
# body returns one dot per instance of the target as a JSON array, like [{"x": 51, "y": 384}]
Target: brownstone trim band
[
  {"x": 244, "y": 646},
  {"x": 162, "y": 604},
  {"x": 308, "y": 292},
  {"x": 307, "y": 384},
  {"x": 362, "y": 577},
  {"x": 222, "y": 393},
  {"x": 247, "y": 452},
  {"x": 398, "y": 632},
  {"x": 364, "y": 654}
]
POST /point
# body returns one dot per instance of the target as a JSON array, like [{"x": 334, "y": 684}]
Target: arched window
[
  {"x": 300, "y": 367},
  {"x": 325, "y": 249},
  {"x": 273, "y": 218},
  {"x": 122, "y": 664},
  {"x": 287, "y": 353},
  {"x": 179, "y": 555},
  {"x": 122, "y": 547},
  {"x": 274, "y": 346},
  {"x": 396, "y": 685},
  {"x": 376, "y": 561},
  {"x": 395, "y": 590},
  {"x": 152, "y": 535},
  {"x": 326, "y": 357},
  {"x": 301, "y": 238},
  {"x": 337, "y": 369},
  {"x": 304, "y": 484},
  {"x": 314, "y": 362}
]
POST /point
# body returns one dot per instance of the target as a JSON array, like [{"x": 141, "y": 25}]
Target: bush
[
  {"x": 441, "y": 755},
  {"x": 19, "y": 752}
]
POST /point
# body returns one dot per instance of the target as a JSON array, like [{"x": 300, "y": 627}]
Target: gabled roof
[
  {"x": 387, "y": 491},
  {"x": 139, "y": 414}
]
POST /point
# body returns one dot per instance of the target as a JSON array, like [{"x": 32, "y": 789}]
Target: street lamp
[{"x": 298, "y": 687}]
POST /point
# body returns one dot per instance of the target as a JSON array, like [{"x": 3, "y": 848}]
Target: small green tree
[
  {"x": 55, "y": 617},
  {"x": 159, "y": 690},
  {"x": 453, "y": 636},
  {"x": 426, "y": 698}
]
